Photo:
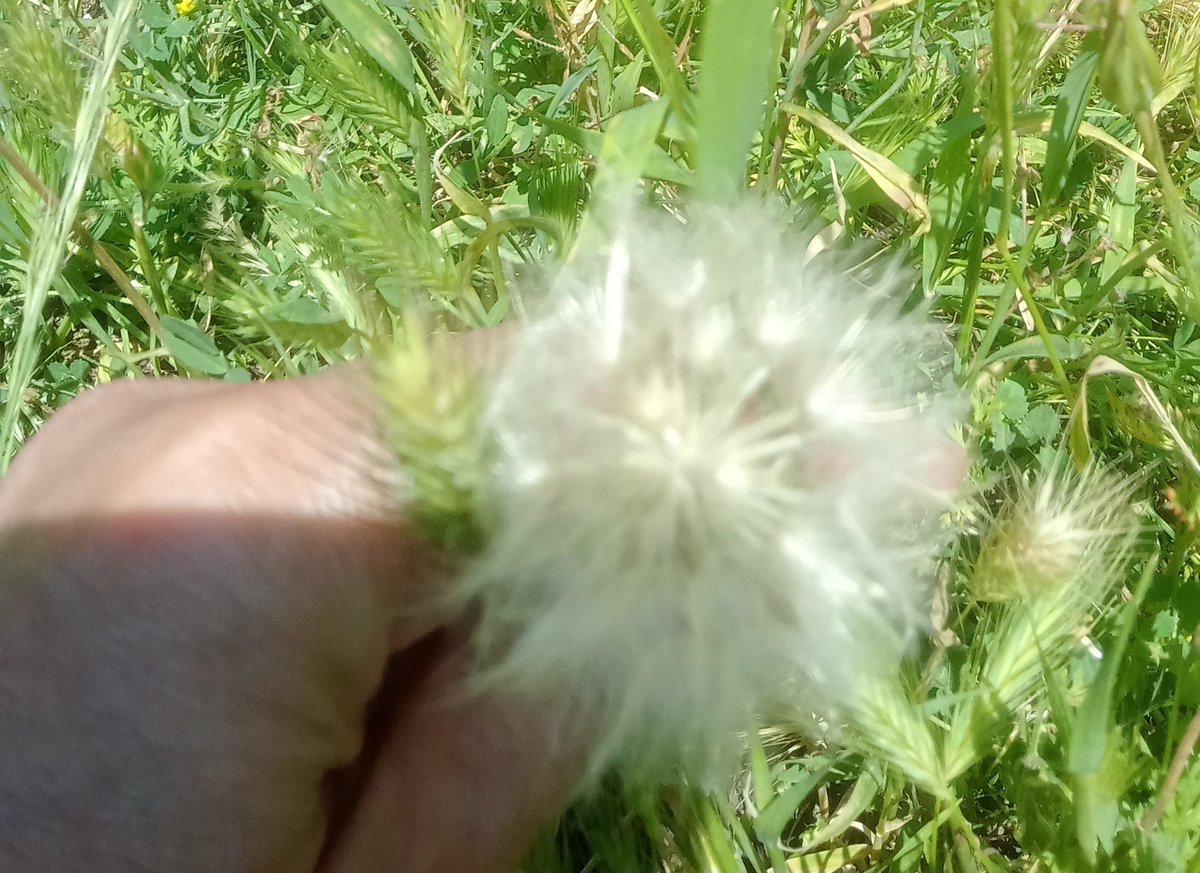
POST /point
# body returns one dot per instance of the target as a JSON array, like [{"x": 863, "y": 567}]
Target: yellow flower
[{"x": 186, "y": 7}]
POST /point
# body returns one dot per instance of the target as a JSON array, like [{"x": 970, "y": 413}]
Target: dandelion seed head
[{"x": 728, "y": 496}]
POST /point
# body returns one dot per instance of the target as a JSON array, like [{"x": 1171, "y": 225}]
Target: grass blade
[
  {"x": 630, "y": 141},
  {"x": 1122, "y": 214},
  {"x": 52, "y": 235},
  {"x": 897, "y": 185},
  {"x": 661, "y": 50},
  {"x": 736, "y": 51},
  {"x": 947, "y": 207},
  {"x": 1092, "y": 723},
  {"x": 1092, "y": 733},
  {"x": 1072, "y": 100}
]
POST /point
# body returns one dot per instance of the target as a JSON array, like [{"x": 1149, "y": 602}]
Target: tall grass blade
[
  {"x": 661, "y": 50},
  {"x": 1072, "y": 100},
  {"x": 52, "y": 235},
  {"x": 1092, "y": 730},
  {"x": 736, "y": 51}
]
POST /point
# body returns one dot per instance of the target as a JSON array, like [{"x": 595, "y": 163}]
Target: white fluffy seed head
[{"x": 714, "y": 461}]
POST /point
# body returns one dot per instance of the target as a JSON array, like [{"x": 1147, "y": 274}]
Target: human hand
[{"x": 208, "y": 594}]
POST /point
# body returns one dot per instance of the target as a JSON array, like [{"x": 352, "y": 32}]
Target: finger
[
  {"x": 309, "y": 448},
  {"x": 460, "y": 781}
]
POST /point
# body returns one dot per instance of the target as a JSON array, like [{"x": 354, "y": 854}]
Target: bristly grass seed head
[
  {"x": 1067, "y": 529},
  {"x": 434, "y": 400},
  {"x": 447, "y": 26},
  {"x": 1058, "y": 547},
  {"x": 41, "y": 67}
]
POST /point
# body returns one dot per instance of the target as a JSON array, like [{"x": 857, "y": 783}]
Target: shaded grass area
[{"x": 274, "y": 187}]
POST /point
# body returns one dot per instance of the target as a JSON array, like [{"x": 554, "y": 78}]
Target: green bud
[{"x": 1130, "y": 74}]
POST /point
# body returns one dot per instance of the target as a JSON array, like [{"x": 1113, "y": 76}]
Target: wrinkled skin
[{"x": 217, "y": 651}]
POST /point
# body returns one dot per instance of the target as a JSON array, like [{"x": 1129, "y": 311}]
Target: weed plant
[{"x": 246, "y": 189}]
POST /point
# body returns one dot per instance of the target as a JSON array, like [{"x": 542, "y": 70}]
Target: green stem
[
  {"x": 1174, "y": 207},
  {"x": 1039, "y": 324},
  {"x": 968, "y": 834},
  {"x": 1002, "y": 70}
]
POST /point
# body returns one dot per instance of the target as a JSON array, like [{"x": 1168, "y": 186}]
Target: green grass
[{"x": 278, "y": 187}]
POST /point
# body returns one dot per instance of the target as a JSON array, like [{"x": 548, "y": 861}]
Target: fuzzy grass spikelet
[
  {"x": 1066, "y": 529},
  {"x": 712, "y": 457},
  {"x": 435, "y": 432},
  {"x": 42, "y": 71},
  {"x": 448, "y": 29},
  {"x": 1057, "y": 548}
]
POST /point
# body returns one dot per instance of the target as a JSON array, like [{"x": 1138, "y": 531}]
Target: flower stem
[{"x": 1039, "y": 323}]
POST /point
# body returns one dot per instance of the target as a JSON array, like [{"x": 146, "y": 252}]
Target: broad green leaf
[
  {"x": 659, "y": 165},
  {"x": 897, "y": 185},
  {"x": 629, "y": 143},
  {"x": 495, "y": 125},
  {"x": 625, "y": 85},
  {"x": 1033, "y": 347},
  {"x": 1040, "y": 425},
  {"x": 1012, "y": 401},
  {"x": 1002, "y": 436},
  {"x": 568, "y": 88},
  {"x": 302, "y": 310},
  {"x": 192, "y": 347},
  {"x": 934, "y": 143},
  {"x": 736, "y": 51}
]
